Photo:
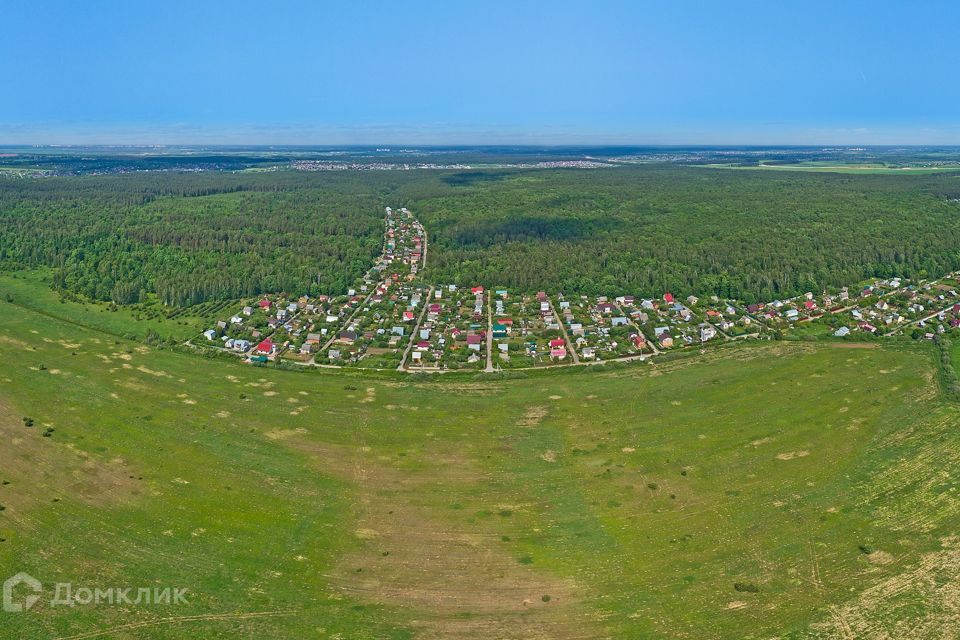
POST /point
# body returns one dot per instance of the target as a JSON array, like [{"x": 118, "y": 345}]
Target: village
[{"x": 392, "y": 319}]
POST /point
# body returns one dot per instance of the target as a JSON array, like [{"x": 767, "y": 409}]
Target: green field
[
  {"x": 31, "y": 289},
  {"x": 792, "y": 490}
]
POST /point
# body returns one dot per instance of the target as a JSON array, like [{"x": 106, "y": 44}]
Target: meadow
[{"x": 791, "y": 490}]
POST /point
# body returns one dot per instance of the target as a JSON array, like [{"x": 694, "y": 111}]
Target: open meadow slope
[{"x": 789, "y": 490}]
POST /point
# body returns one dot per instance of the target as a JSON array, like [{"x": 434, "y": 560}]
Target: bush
[{"x": 746, "y": 587}]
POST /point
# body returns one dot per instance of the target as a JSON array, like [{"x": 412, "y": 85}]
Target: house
[
  {"x": 842, "y": 332},
  {"x": 791, "y": 314},
  {"x": 753, "y": 308},
  {"x": 707, "y": 333},
  {"x": 866, "y": 326},
  {"x": 334, "y": 354},
  {"x": 588, "y": 353},
  {"x": 557, "y": 343},
  {"x": 499, "y": 330},
  {"x": 241, "y": 345},
  {"x": 408, "y": 316},
  {"x": 666, "y": 340},
  {"x": 347, "y": 337},
  {"x": 659, "y": 331},
  {"x": 247, "y": 311},
  {"x": 558, "y": 352},
  {"x": 264, "y": 304},
  {"x": 307, "y": 348},
  {"x": 619, "y": 321},
  {"x": 474, "y": 341},
  {"x": 236, "y": 320},
  {"x": 605, "y": 308},
  {"x": 809, "y": 305},
  {"x": 476, "y": 290},
  {"x": 668, "y": 297},
  {"x": 266, "y": 347},
  {"x": 692, "y": 300},
  {"x": 397, "y": 331},
  {"x": 210, "y": 334}
]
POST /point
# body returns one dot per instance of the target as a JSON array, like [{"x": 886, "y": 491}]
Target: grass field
[
  {"x": 791, "y": 490},
  {"x": 31, "y": 289}
]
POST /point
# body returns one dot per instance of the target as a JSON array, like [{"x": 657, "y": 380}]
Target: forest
[
  {"x": 190, "y": 237},
  {"x": 645, "y": 230}
]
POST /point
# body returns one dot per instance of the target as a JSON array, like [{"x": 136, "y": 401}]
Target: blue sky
[{"x": 457, "y": 72}]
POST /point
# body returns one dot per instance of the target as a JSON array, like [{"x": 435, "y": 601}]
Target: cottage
[
  {"x": 210, "y": 334},
  {"x": 266, "y": 347},
  {"x": 588, "y": 353},
  {"x": 618, "y": 321},
  {"x": 842, "y": 332},
  {"x": 473, "y": 342},
  {"x": 666, "y": 340},
  {"x": 347, "y": 337}
]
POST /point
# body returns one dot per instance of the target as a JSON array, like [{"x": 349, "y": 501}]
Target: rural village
[{"x": 394, "y": 320}]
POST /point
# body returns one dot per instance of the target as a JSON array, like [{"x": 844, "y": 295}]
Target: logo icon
[{"x": 9, "y": 605}]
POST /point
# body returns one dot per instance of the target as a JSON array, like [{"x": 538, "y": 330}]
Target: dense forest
[
  {"x": 188, "y": 237},
  {"x": 191, "y": 237},
  {"x": 735, "y": 233}
]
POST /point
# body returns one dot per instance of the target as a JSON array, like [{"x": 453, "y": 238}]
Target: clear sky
[{"x": 484, "y": 71}]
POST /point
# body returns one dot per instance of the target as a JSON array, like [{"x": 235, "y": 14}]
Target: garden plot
[
  {"x": 454, "y": 334},
  {"x": 523, "y": 329}
]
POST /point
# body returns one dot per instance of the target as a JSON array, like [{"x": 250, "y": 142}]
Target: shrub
[{"x": 746, "y": 587}]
